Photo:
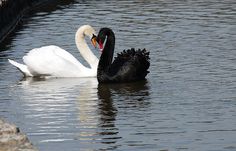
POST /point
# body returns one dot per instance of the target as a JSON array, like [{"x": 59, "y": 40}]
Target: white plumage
[{"x": 57, "y": 62}]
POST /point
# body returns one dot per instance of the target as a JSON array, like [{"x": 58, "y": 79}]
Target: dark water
[{"x": 188, "y": 101}]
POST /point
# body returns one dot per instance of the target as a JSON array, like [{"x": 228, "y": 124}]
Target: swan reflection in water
[
  {"x": 79, "y": 107},
  {"x": 112, "y": 99}
]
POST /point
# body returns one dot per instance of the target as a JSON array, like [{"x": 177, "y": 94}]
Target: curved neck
[
  {"x": 107, "y": 54},
  {"x": 84, "y": 50}
]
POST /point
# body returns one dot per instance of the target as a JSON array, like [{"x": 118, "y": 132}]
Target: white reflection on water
[{"x": 53, "y": 106}]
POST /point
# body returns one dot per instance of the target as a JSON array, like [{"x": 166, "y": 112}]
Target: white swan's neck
[{"x": 84, "y": 50}]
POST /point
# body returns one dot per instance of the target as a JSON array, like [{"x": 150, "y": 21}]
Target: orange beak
[{"x": 94, "y": 41}]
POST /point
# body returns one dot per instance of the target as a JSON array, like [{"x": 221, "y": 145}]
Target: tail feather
[{"x": 23, "y": 68}]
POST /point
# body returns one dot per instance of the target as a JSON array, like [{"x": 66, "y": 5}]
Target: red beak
[{"x": 100, "y": 45}]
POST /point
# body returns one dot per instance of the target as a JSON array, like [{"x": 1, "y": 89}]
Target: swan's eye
[
  {"x": 102, "y": 37},
  {"x": 94, "y": 36}
]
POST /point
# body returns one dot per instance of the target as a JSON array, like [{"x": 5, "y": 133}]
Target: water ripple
[{"x": 186, "y": 103}]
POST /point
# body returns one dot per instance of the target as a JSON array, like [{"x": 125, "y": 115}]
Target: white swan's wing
[{"x": 53, "y": 61}]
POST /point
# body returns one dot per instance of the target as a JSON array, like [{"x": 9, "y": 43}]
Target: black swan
[{"x": 129, "y": 66}]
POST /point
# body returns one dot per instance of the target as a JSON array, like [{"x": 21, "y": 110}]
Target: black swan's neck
[{"x": 108, "y": 51}]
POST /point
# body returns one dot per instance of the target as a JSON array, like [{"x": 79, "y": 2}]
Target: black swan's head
[{"x": 103, "y": 36}]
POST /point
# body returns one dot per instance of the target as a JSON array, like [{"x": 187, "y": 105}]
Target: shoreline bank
[{"x": 12, "y": 139}]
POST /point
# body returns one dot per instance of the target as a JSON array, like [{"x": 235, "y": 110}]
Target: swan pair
[{"x": 128, "y": 66}]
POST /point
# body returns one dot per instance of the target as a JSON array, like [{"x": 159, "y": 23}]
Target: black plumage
[{"x": 128, "y": 66}]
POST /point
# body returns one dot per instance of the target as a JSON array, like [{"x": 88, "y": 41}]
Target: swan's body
[
  {"x": 57, "y": 62},
  {"x": 128, "y": 66}
]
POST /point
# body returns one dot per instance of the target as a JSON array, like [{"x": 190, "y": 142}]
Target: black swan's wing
[{"x": 129, "y": 65}]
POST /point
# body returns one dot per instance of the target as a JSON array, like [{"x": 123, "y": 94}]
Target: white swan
[{"x": 57, "y": 62}]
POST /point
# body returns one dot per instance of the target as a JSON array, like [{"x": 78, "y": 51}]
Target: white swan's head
[{"x": 85, "y": 30}]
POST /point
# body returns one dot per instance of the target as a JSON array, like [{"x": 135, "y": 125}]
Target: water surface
[{"x": 188, "y": 101}]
